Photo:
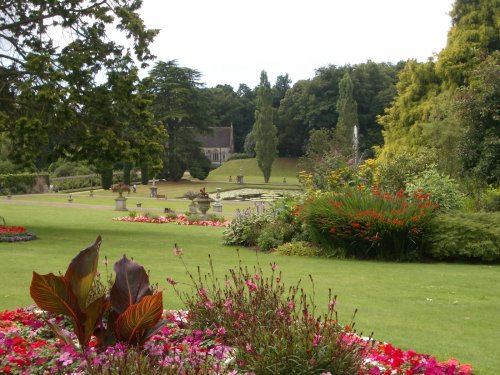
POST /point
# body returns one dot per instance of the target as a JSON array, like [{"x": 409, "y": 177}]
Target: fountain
[{"x": 355, "y": 145}]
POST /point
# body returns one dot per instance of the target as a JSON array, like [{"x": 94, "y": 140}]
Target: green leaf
[
  {"x": 131, "y": 285},
  {"x": 132, "y": 324},
  {"x": 82, "y": 270},
  {"x": 53, "y": 293}
]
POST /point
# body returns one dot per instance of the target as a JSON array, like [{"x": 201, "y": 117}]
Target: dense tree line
[{"x": 54, "y": 101}]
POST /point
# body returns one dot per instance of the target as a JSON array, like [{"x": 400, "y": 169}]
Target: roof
[{"x": 218, "y": 137}]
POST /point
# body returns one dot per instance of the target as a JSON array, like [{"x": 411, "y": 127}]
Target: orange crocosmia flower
[{"x": 356, "y": 225}]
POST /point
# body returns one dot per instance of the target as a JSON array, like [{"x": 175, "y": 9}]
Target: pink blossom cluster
[
  {"x": 384, "y": 359},
  {"x": 179, "y": 220},
  {"x": 27, "y": 346}
]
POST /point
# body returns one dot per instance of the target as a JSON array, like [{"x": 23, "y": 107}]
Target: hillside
[{"x": 282, "y": 168}]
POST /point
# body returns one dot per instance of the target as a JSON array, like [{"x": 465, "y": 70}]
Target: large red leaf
[
  {"x": 131, "y": 285},
  {"x": 93, "y": 316},
  {"x": 137, "y": 319},
  {"x": 82, "y": 270},
  {"x": 53, "y": 293}
]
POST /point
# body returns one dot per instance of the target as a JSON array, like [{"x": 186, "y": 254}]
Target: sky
[{"x": 232, "y": 41}]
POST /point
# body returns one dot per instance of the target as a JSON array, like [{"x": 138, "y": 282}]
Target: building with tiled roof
[{"x": 218, "y": 145}]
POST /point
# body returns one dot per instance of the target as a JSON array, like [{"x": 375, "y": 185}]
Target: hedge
[
  {"x": 22, "y": 183},
  {"x": 465, "y": 236}
]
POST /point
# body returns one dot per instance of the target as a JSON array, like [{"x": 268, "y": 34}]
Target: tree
[
  {"x": 474, "y": 35},
  {"x": 280, "y": 88},
  {"x": 45, "y": 83},
  {"x": 479, "y": 109},
  {"x": 181, "y": 106},
  {"x": 264, "y": 130},
  {"x": 237, "y": 108},
  {"x": 348, "y": 116}
]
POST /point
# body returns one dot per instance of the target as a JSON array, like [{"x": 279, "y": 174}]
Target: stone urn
[
  {"x": 121, "y": 203},
  {"x": 203, "y": 205},
  {"x": 203, "y": 202}
]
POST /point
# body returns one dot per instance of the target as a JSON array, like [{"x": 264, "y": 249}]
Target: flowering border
[
  {"x": 15, "y": 234},
  {"x": 179, "y": 220},
  {"x": 27, "y": 345}
]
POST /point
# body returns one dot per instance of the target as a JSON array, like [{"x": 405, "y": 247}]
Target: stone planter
[
  {"x": 193, "y": 209},
  {"x": 203, "y": 205},
  {"x": 120, "y": 203}
]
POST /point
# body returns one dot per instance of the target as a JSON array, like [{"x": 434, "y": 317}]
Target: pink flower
[
  {"x": 316, "y": 340},
  {"x": 331, "y": 305},
  {"x": 177, "y": 250},
  {"x": 251, "y": 285}
]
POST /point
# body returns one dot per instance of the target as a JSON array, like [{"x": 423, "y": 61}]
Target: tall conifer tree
[
  {"x": 348, "y": 115},
  {"x": 266, "y": 140}
]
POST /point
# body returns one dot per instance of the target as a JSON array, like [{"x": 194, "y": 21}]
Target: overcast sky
[{"x": 231, "y": 41}]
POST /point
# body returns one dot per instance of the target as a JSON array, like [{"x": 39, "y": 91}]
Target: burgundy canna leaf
[
  {"x": 131, "y": 285},
  {"x": 137, "y": 319}
]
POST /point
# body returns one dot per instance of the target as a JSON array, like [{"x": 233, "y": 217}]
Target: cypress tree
[
  {"x": 266, "y": 140},
  {"x": 347, "y": 109}
]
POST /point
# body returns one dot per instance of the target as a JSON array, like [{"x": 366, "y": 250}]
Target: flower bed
[
  {"x": 15, "y": 233},
  {"x": 28, "y": 346},
  {"x": 179, "y": 220}
]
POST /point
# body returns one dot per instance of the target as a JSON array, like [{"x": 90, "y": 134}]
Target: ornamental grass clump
[
  {"x": 272, "y": 328},
  {"x": 369, "y": 224}
]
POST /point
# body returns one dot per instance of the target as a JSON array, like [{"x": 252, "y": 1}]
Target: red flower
[{"x": 333, "y": 230}]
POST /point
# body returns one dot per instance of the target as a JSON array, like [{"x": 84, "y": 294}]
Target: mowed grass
[
  {"x": 174, "y": 192},
  {"x": 448, "y": 310},
  {"x": 282, "y": 168}
]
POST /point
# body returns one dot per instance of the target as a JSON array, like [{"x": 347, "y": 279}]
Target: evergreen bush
[
  {"x": 464, "y": 236},
  {"x": 298, "y": 248}
]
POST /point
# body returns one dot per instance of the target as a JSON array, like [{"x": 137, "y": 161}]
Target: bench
[{"x": 161, "y": 196}]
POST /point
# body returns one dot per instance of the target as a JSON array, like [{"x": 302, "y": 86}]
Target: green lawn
[
  {"x": 448, "y": 310},
  {"x": 282, "y": 168}
]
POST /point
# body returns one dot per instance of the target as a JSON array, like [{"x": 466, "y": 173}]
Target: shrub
[
  {"x": 198, "y": 217},
  {"x": 266, "y": 228},
  {"x": 300, "y": 248},
  {"x": 200, "y": 167},
  {"x": 492, "y": 200},
  {"x": 245, "y": 228},
  {"x": 465, "y": 236},
  {"x": 444, "y": 191},
  {"x": 270, "y": 237},
  {"x": 63, "y": 168},
  {"x": 369, "y": 224},
  {"x": 273, "y": 328},
  {"x": 395, "y": 171},
  {"x": 238, "y": 156},
  {"x": 22, "y": 183}
]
